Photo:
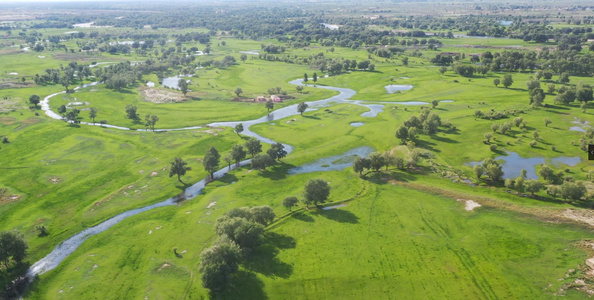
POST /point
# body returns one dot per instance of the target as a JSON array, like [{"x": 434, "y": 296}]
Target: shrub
[{"x": 493, "y": 147}]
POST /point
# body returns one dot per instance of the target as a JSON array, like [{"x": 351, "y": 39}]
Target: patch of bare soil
[
  {"x": 6, "y": 198},
  {"x": 470, "y": 204},
  {"x": 6, "y": 120},
  {"x": 27, "y": 122},
  {"x": 153, "y": 174},
  {"x": 165, "y": 265},
  {"x": 582, "y": 215},
  {"x": 55, "y": 180},
  {"x": 153, "y": 95}
]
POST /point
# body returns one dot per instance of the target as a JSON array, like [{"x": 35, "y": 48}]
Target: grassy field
[
  {"x": 401, "y": 235},
  {"x": 390, "y": 242}
]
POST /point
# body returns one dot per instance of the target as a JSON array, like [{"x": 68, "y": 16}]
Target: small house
[{"x": 275, "y": 98}]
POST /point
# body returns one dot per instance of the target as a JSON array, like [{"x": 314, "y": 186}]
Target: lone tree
[
  {"x": 34, "y": 99},
  {"x": 238, "y": 154},
  {"x": 238, "y": 91},
  {"x": 131, "y": 112},
  {"x": 62, "y": 110},
  {"x": 496, "y": 82},
  {"x": 12, "y": 245},
  {"x": 211, "y": 161},
  {"x": 305, "y": 79},
  {"x": 179, "y": 168},
  {"x": 315, "y": 77},
  {"x": 269, "y": 105},
  {"x": 93, "y": 113},
  {"x": 507, "y": 81},
  {"x": 301, "y": 107},
  {"x": 239, "y": 128},
  {"x": 243, "y": 57},
  {"x": 434, "y": 103},
  {"x": 547, "y": 121},
  {"x": 316, "y": 191},
  {"x": 289, "y": 202},
  {"x": 151, "y": 120},
  {"x": 183, "y": 86}
]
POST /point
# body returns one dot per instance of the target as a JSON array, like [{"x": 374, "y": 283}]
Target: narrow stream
[{"x": 67, "y": 247}]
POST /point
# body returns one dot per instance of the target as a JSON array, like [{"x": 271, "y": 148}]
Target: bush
[
  {"x": 493, "y": 147},
  {"x": 533, "y": 144}
]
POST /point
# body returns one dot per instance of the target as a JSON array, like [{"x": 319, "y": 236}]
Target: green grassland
[{"x": 396, "y": 238}]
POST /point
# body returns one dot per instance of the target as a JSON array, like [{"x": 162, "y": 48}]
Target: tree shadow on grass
[
  {"x": 228, "y": 178},
  {"x": 426, "y": 145},
  {"x": 245, "y": 285},
  {"x": 182, "y": 185},
  {"x": 443, "y": 139},
  {"x": 265, "y": 261},
  {"x": 311, "y": 117},
  {"x": 276, "y": 172},
  {"x": 301, "y": 216},
  {"x": 339, "y": 215}
]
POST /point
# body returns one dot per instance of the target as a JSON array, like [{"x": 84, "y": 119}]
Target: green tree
[
  {"x": 277, "y": 151},
  {"x": 315, "y": 77},
  {"x": 434, "y": 103},
  {"x": 547, "y": 121},
  {"x": 305, "y": 79},
  {"x": 262, "y": 214},
  {"x": 253, "y": 146},
  {"x": 12, "y": 246},
  {"x": 238, "y": 91},
  {"x": 262, "y": 161},
  {"x": 573, "y": 191},
  {"x": 93, "y": 113},
  {"x": 211, "y": 161},
  {"x": 402, "y": 134},
  {"x": 496, "y": 82},
  {"x": 507, "y": 80},
  {"x": 62, "y": 110},
  {"x": 479, "y": 171},
  {"x": 183, "y": 86},
  {"x": 243, "y": 57},
  {"x": 238, "y": 154},
  {"x": 584, "y": 93},
  {"x": 150, "y": 121},
  {"x": 551, "y": 88},
  {"x": 377, "y": 161},
  {"x": 218, "y": 263},
  {"x": 179, "y": 168},
  {"x": 301, "y": 107},
  {"x": 289, "y": 202},
  {"x": 239, "y": 128},
  {"x": 316, "y": 191},
  {"x": 533, "y": 186},
  {"x": 492, "y": 169},
  {"x": 34, "y": 99},
  {"x": 269, "y": 105},
  {"x": 547, "y": 173},
  {"x": 131, "y": 112},
  {"x": 246, "y": 234},
  {"x": 361, "y": 164},
  {"x": 564, "y": 78},
  {"x": 443, "y": 69}
]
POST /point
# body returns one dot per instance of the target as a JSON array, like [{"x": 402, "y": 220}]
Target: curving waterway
[{"x": 67, "y": 247}]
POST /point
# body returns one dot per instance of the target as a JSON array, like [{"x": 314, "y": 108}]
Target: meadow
[{"x": 402, "y": 234}]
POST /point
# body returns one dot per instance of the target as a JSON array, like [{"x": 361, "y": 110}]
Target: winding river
[{"x": 67, "y": 247}]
